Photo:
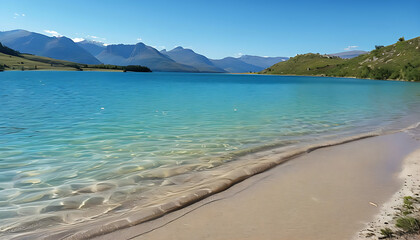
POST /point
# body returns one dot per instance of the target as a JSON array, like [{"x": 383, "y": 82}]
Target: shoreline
[
  {"x": 122, "y": 223},
  {"x": 264, "y": 74},
  {"x": 393, "y": 208},
  {"x": 201, "y": 220},
  {"x": 264, "y": 202},
  {"x": 348, "y": 77}
]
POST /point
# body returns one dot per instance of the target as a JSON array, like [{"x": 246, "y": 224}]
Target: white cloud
[
  {"x": 96, "y": 38},
  {"x": 16, "y": 15},
  {"x": 53, "y": 33},
  {"x": 239, "y": 55},
  {"x": 77, "y": 39},
  {"x": 139, "y": 39},
  {"x": 349, "y": 48}
]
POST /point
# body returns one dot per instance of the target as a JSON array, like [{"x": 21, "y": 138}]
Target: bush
[
  {"x": 401, "y": 39},
  {"x": 395, "y": 75},
  {"x": 378, "y": 46},
  {"x": 380, "y": 73},
  {"x": 365, "y": 72},
  {"x": 410, "y": 73}
]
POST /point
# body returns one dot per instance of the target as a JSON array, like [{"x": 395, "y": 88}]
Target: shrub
[
  {"x": 401, "y": 39},
  {"x": 380, "y": 73},
  {"x": 410, "y": 73},
  {"x": 365, "y": 72}
]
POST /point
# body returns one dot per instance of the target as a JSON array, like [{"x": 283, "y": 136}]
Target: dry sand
[{"x": 326, "y": 194}]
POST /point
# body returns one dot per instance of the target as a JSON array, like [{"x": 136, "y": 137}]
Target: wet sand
[{"x": 325, "y": 194}]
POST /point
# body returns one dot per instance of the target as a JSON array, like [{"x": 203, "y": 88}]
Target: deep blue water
[{"x": 69, "y": 137}]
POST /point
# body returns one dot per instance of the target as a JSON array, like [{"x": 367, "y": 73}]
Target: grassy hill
[
  {"x": 399, "y": 61},
  {"x": 13, "y": 60}
]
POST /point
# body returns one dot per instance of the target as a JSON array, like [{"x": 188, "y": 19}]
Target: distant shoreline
[
  {"x": 348, "y": 77},
  {"x": 264, "y": 74}
]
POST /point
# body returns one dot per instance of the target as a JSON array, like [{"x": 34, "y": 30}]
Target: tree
[
  {"x": 136, "y": 68},
  {"x": 378, "y": 46},
  {"x": 8, "y": 51},
  {"x": 401, "y": 39}
]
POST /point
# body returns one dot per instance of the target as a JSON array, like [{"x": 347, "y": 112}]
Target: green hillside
[
  {"x": 399, "y": 61},
  {"x": 13, "y": 60}
]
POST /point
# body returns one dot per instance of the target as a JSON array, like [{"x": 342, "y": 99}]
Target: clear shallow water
[{"x": 79, "y": 144}]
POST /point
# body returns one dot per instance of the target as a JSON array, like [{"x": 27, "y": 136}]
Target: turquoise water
[{"x": 97, "y": 142}]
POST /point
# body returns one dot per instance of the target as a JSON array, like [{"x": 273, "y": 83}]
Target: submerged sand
[{"x": 329, "y": 193}]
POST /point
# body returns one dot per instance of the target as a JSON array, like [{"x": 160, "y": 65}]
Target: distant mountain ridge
[
  {"x": 348, "y": 54},
  {"x": 189, "y": 57},
  {"x": 234, "y": 65},
  {"x": 263, "y": 62},
  {"x": 141, "y": 54},
  {"x": 246, "y": 63},
  {"x": 92, "y": 47},
  {"x": 92, "y": 52},
  {"x": 53, "y": 47}
]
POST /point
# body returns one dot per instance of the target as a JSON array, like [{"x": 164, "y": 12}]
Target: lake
[{"x": 81, "y": 145}]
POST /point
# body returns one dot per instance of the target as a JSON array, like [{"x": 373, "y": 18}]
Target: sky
[{"x": 220, "y": 28}]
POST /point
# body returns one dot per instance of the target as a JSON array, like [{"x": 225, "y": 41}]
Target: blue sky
[{"x": 219, "y": 28}]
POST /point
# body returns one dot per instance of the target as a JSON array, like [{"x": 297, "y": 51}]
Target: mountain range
[
  {"x": 14, "y": 60},
  {"x": 53, "y": 47},
  {"x": 189, "y": 57},
  {"x": 178, "y": 59},
  {"x": 141, "y": 54}
]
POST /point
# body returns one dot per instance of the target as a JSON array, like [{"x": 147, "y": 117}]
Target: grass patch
[
  {"x": 408, "y": 202},
  {"x": 33, "y": 62},
  {"x": 408, "y": 224},
  {"x": 387, "y": 233}
]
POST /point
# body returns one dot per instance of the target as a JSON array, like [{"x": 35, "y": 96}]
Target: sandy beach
[
  {"x": 330, "y": 193},
  {"x": 393, "y": 208}
]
